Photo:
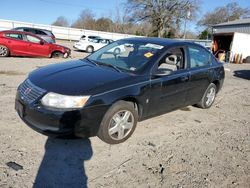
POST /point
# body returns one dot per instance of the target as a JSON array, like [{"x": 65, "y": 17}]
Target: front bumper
[
  {"x": 82, "y": 123},
  {"x": 67, "y": 53}
]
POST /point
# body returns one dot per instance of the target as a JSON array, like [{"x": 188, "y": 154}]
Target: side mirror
[
  {"x": 160, "y": 72},
  {"x": 42, "y": 42}
]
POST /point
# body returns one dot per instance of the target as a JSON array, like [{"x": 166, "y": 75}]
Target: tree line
[{"x": 157, "y": 18}]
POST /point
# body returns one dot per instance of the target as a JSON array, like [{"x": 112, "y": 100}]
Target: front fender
[{"x": 137, "y": 92}]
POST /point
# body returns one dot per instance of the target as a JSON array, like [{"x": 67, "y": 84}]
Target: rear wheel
[
  {"x": 118, "y": 123},
  {"x": 208, "y": 97},
  {"x": 4, "y": 51},
  {"x": 90, "y": 49},
  {"x": 57, "y": 55}
]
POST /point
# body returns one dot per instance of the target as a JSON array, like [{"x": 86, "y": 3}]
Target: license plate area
[{"x": 20, "y": 109}]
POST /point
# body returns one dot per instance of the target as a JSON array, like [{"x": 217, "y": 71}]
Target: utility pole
[{"x": 185, "y": 21}]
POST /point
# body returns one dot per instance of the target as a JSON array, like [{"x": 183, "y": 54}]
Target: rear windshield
[
  {"x": 29, "y": 30},
  {"x": 39, "y": 32}
]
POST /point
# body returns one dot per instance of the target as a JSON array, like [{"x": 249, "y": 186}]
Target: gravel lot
[{"x": 185, "y": 148}]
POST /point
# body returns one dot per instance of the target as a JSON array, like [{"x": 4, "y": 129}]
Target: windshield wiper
[
  {"x": 110, "y": 65},
  {"x": 91, "y": 61}
]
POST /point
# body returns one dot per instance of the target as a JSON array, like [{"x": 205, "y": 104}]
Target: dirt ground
[{"x": 185, "y": 148}]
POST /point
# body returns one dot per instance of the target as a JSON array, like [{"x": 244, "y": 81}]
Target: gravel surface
[{"x": 190, "y": 147}]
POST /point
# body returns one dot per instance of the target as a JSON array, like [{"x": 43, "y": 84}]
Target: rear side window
[
  {"x": 14, "y": 36},
  {"x": 103, "y": 41},
  {"x": 199, "y": 57},
  {"x": 32, "y": 39},
  {"x": 110, "y": 41}
]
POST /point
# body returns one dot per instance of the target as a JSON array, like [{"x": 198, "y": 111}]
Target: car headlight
[{"x": 56, "y": 100}]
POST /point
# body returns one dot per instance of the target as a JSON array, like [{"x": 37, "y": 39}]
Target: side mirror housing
[
  {"x": 160, "y": 72},
  {"x": 42, "y": 42}
]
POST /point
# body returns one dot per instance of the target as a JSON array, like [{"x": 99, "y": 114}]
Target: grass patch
[{"x": 185, "y": 109}]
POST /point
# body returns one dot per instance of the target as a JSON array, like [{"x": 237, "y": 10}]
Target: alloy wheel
[
  {"x": 3, "y": 51},
  {"x": 121, "y": 124},
  {"x": 210, "y": 96}
]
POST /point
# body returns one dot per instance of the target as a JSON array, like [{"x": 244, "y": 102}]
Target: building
[
  {"x": 233, "y": 39},
  {"x": 239, "y": 26}
]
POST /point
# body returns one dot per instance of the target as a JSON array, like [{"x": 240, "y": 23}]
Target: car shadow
[
  {"x": 245, "y": 74},
  {"x": 63, "y": 163},
  {"x": 76, "y": 50},
  {"x": 84, "y": 51}
]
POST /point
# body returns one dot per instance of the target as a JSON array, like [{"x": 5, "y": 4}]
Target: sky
[{"x": 46, "y": 11}]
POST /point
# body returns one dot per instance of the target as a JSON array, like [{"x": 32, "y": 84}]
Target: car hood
[{"x": 78, "y": 78}]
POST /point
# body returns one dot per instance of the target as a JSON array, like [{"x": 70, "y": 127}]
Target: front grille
[{"x": 29, "y": 92}]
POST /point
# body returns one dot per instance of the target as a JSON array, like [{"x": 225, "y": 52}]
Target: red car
[{"x": 18, "y": 43}]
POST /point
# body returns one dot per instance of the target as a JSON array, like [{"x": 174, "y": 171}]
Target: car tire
[
  {"x": 4, "y": 51},
  {"x": 57, "y": 55},
  {"x": 119, "y": 123},
  {"x": 90, "y": 49},
  {"x": 208, "y": 97}
]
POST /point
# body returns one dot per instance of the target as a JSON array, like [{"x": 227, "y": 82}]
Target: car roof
[
  {"x": 162, "y": 41},
  {"x": 20, "y": 32},
  {"x": 32, "y": 28}
]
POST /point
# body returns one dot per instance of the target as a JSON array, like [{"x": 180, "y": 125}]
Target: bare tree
[
  {"x": 163, "y": 15},
  {"x": 121, "y": 21},
  {"x": 86, "y": 20},
  {"x": 61, "y": 21},
  {"x": 104, "y": 24},
  {"x": 230, "y": 12}
]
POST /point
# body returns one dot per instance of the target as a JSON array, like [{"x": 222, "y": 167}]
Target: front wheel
[
  {"x": 118, "y": 123},
  {"x": 58, "y": 55},
  {"x": 4, "y": 51},
  {"x": 208, "y": 97}
]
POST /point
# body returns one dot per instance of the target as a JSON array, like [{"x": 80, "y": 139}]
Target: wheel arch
[
  {"x": 217, "y": 84},
  {"x": 54, "y": 51},
  {"x": 136, "y": 103}
]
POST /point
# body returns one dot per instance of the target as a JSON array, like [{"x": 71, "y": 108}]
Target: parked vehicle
[
  {"x": 46, "y": 35},
  {"x": 106, "y": 93},
  {"x": 86, "y": 37},
  {"x": 92, "y": 44},
  {"x": 17, "y": 43}
]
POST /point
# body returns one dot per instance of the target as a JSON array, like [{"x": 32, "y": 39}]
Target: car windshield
[{"x": 125, "y": 55}]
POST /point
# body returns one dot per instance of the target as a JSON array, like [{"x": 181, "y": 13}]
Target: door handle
[{"x": 184, "y": 78}]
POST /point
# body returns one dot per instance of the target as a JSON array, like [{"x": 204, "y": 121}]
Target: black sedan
[{"x": 106, "y": 93}]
